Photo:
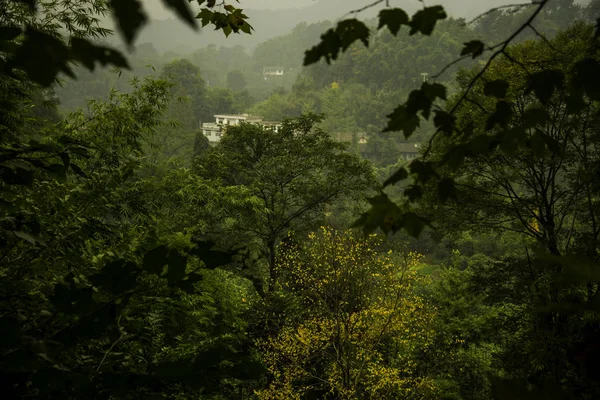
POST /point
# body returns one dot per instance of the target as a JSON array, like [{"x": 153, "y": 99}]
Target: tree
[
  {"x": 236, "y": 81},
  {"x": 360, "y": 327},
  {"x": 294, "y": 172}
]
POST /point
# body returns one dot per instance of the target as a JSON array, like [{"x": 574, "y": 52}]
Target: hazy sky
[{"x": 462, "y": 8}]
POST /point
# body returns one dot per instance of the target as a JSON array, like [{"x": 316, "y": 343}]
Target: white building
[
  {"x": 272, "y": 72},
  {"x": 214, "y": 130}
]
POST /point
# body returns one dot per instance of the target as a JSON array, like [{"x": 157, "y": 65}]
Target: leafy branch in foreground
[{"x": 36, "y": 47}]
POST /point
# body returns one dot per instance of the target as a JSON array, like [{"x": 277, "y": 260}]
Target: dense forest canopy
[{"x": 373, "y": 203}]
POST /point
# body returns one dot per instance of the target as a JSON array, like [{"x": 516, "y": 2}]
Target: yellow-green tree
[{"x": 361, "y": 328}]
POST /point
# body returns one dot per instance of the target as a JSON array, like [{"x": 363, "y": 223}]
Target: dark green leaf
[
  {"x": 501, "y": 116},
  {"x": 414, "y": 193},
  {"x": 75, "y": 168},
  {"x": 413, "y": 224},
  {"x": 424, "y": 20},
  {"x": 497, "y": 88},
  {"x": 383, "y": 214},
  {"x": 534, "y": 117},
  {"x": 155, "y": 260},
  {"x": 543, "y": 84},
  {"x": 446, "y": 189},
  {"x": 347, "y": 32},
  {"x": 73, "y": 300},
  {"x": 8, "y": 33},
  {"x": 423, "y": 169},
  {"x": 401, "y": 120},
  {"x": 396, "y": 177},
  {"x": 116, "y": 277},
  {"x": 393, "y": 18},
  {"x": 211, "y": 258},
  {"x": 585, "y": 77},
  {"x": 177, "y": 264},
  {"x": 41, "y": 56},
  {"x": 130, "y": 17},
  {"x": 474, "y": 47},
  {"x": 57, "y": 170},
  {"x": 183, "y": 11},
  {"x": 434, "y": 91},
  {"x": 89, "y": 54},
  {"x": 444, "y": 121}
]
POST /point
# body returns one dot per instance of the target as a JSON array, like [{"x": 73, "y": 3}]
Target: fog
[{"x": 272, "y": 18}]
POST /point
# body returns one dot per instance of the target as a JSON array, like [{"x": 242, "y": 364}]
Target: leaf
[
  {"x": 534, "y": 117},
  {"x": 88, "y": 54},
  {"x": 57, "y": 170},
  {"x": 177, "y": 264},
  {"x": 77, "y": 169},
  {"x": 383, "y": 214},
  {"x": 403, "y": 121},
  {"x": 155, "y": 260},
  {"x": 597, "y": 30},
  {"x": 130, "y": 17},
  {"x": 28, "y": 237},
  {"x": 501, "y": 116},
  {"x": 347, "y": 32},
  {"x": 585, "y": 77},
  {"x": 8, "y": 33},
  {"x": 446, "y": 189},
  {"x": 41, "y": 56},
  {"x": 183, "y": 11},
  {"x": 211, "y": 258},
  {"x": 396, "y": 177},
  {"x": 497, "y": 88},
  {"x": 434, "y": 91},
  {"x": 423, "y": 169},
  {"x": 117, "y": 277},
  {"x": 543, "y": 84},
  {"x": 351, "y": 30},
  {"x": 413, "y": 224},
  {"x": 73, "y": 300},
  {"x": 474, "y": 47},
  {"x": 206, "y": 16},
  {"x": 424, "y": 20},
  {"x": 444, "y": 121},
  {"x": 393, "y": 18},
  {"x": 414, "y": 193}
]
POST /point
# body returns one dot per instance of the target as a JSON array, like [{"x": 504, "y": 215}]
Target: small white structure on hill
[
  {"x": 214, "y": 130},
  {"x": 272, "y": 72}
]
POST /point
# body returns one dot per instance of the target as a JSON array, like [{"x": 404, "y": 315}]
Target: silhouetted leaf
[
  {"x": 497, "y": 88},
  {"x": 346, "y": 32},
  {"x": 401, "y": 120},
  {"x": 534, "y": 117},
  {"x": 211, "y": 258},
  {"x": 424, "y": 170},
  {"x": 446, "y": 189},
  {"x": 444, "y": 121},
  {"x": 177, "y": 264},
  {"x": 585, "y": 77},
  {"x": 434, "y": 91},
  {"x": 41, "y": 56},
  {"x": 396, "y": 177},
  {"x": 117, "y": 277},
  {"x": 413, "y": 224},
  {"x": 543, "y": 84},
  {"x": 414, "y": 193},
  {"x": 8, "y": 33},
  {"x": 424, "y": 20},
  {"x": 155, "y": 260},
  {"x": 89, "y": 54},
  {"x": 383, "y": 214},
  {"x": 183, "y": 11},
  {"x": 393, "y": 18},
  {"x": 130, "y": 17},
  {"x": 474, "y": 47},
  {"x": 501, "y": 116}
]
